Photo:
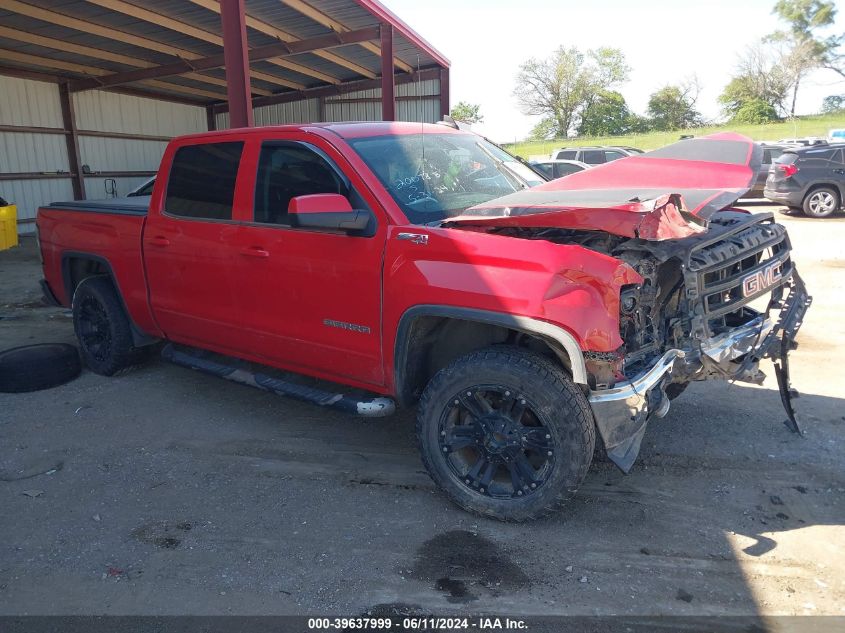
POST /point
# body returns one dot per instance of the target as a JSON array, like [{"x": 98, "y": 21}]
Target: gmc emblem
[{"x": 762, "y": 279}]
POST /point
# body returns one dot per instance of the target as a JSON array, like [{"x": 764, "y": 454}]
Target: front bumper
[{"x": 623, "y": 411}]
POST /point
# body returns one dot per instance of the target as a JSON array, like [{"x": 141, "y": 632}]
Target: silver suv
[{"x": 594, "y": 155}]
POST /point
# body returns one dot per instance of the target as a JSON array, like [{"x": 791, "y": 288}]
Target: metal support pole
[
  {"x": 210, "y": 118},
  {"x": 237, "y": 63},
  {"x": 388, "y": 83},
  {"x": 72, "y": 142},
  {"x": 444, "y": 92}
]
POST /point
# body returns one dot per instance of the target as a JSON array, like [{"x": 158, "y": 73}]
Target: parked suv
[
  {"x": 811, "y": 179},
  {"x": 594, "y": 155},
  {"x": 771, "y": 153}
]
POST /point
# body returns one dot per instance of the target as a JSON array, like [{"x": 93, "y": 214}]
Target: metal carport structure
[{"x": 287, "y": 60}]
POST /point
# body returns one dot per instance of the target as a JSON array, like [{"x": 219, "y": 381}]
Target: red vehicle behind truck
[{"x": 529, "y": 321}]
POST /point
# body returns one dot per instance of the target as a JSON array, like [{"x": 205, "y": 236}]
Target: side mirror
[{"x": 327, "y": 211}]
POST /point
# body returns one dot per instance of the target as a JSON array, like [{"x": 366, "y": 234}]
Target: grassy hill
[{"x": 804, "y": 126}]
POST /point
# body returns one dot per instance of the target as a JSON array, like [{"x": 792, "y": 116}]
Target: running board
[{"x": 378, "y": 407}]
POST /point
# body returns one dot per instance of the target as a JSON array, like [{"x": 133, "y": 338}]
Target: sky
[{"x": 664, "y": 41}]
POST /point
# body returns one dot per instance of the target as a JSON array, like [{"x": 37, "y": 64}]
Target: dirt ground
[{"x": 165, "y": 491}]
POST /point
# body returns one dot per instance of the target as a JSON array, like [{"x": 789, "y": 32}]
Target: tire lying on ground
[{"x": 35, "y": 367}]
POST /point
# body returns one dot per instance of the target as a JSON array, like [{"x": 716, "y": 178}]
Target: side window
[
  {"x": 593, "y": 156},
  {"x": 566, "y": 155},
  {"x": 288, "y": 170},
  {"x": 545, "y": 168},
  {"x": 564, "y": 169},
  {"x": 613, "y": 155},
  {"x": 202, "y": 181},
  {"x": 838, "y": 157}
]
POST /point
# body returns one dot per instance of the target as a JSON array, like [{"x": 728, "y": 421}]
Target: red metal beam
[
  {"x": 237, "y": 63},
  {"x": 72, "y": 142},
  {"x": 444, "y": 92},
  {"x": 377, "y": 9},
  {"x": 388, "y": 82}
]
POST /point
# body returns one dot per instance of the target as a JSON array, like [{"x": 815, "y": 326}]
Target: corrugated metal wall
[
  {"x": 363, "y": 105},
  {"x": 24, "y": 102},
  {"x": 111, "y": 112},
  {"x": 32, "y": 104}
]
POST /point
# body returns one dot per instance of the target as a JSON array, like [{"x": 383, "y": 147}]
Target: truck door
[
  {"x": 310, "y": 300},
  {"x": 188, "y": 247}
]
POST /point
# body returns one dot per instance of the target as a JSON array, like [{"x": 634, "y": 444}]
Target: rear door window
[
  {"x": 593, "y": 156},
  {"x": 564, "y": 169},
  {"x": 771, "y": 155},
  {"x": 613, "y": 155},
  {"x": 568, "y": 154},
  {"x": 202, "y": 181}
]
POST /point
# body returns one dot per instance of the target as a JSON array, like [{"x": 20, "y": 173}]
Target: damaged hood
[{"x": 668, "y": 193}]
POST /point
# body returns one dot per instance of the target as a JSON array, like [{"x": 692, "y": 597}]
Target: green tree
[
  {"x": 755, "y": 111},
  {"x": 606, "y": 115},
  {"x": 673, "y": 108},
  {"x": 561, "y": 87},
  {"x": 806, "y": 49},
  {"x": 468, "y": 113},
  {"x": 833, "y": 104},
  {"x": 760, "y": 76},
  {"x": 544, "y": 130},
  {"x": 638, "y": 124}
]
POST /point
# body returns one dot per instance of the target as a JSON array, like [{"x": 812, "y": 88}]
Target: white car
[{"x": 559, "y": 168}]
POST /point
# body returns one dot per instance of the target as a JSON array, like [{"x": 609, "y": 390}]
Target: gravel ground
[{"x": 165, "y": 491}]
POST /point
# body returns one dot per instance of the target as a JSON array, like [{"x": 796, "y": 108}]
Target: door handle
[
  {"x": 255, "y": 251},
  {"x": 159, "y": 240},
  {"x": 839, "y": 171}
]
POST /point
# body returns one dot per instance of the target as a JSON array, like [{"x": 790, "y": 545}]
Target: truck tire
[
  {"x": 505, "y": 433},
  {"x": 102, "y": 328},
  {"x": 821, "y": 202},
  {"x": 36, "y": 367}
]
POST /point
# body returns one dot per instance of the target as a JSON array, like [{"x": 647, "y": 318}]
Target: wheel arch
[
  {"x": 77, "y": 266},
  {"x": 417, "y": 357}
]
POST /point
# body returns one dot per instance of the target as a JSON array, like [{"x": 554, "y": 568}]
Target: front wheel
[
  {"x": 821, "y": 202},
  {"x": 506, "y": 433}
]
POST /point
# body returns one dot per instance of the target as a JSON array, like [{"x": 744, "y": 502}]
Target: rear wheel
[
  {"x": 102, "y": 328},
  {"x": 505, "y": 433},
  {"x": 821, "y": 202}
]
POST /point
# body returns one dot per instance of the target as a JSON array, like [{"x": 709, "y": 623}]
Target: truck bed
[
  {"x": 136, "y": 205},
  {"x": 107, "y": 233}
]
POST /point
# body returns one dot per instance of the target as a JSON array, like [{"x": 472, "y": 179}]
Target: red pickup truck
[{"x": 424, "y": 264}]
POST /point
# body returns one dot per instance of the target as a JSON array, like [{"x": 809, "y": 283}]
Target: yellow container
[{"x": 8, "y": 227}]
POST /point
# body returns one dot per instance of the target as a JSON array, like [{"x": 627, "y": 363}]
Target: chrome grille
[{"x": 747, "y": 263}]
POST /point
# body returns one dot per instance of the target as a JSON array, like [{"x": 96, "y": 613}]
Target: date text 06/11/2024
[{"x": 417, "y": 624}]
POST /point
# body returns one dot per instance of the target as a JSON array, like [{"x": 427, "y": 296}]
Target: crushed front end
[{"x": 691, "y": 319}]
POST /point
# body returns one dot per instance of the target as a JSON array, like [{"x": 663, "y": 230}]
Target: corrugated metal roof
[{"x": 168, "y": 42}]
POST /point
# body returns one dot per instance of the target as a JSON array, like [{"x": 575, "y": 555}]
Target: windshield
[{"x": 437, "y": 176}]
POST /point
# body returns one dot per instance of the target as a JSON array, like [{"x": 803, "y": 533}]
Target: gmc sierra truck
[{"x": 532, "y": 323}]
